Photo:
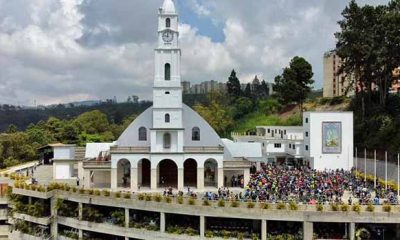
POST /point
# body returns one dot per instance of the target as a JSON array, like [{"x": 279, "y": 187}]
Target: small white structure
[
  {"x": 65, "y": 160},
  {"x": 328, "y": 139}
]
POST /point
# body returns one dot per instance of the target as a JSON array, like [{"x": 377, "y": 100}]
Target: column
[
  {"x": 153, "y": 179},
  {"x": 308, "y": 230},
  {"x": 127, "y": 217},
  {"x": 162, "y": 222},
  {"x": 202, "y": 226},
  {"x": 114, "y": 179},
  {"x": 397, "y": 231},
  {"x": 180, "y": 179},
  {"x": 54, "y": 225},
  {"x": 264, "y": 229},
  {"x": 246, "y": 176},
  {"x": 200, "y": 179},
  {"x": 134, "y": 178},
  {"x": 86, "y": 179},
  {"x": 352, "y": 231},
  {"x": 220, "y": 177},
  {"x": 258, "y": 166},
  {"x": 80, "y": 210}
]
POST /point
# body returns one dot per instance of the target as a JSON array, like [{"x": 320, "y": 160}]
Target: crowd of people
[{"x": 306, "y": 185}]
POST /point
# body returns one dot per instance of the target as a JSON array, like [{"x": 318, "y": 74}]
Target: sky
[{"x": 59, "y": 51}]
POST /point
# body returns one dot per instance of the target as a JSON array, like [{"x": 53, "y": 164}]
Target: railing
[
  {"x": 94, "y": 163},
  {"x": 117, "y": 149},
  {"x": 203, "y": 149}
]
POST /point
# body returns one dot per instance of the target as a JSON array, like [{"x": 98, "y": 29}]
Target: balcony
[
  {"x": 37, "y": 220},
  {"x": 219, "y": 149},
  {"x": 94, "y": 164},
  {"x": 122, "y": 150}
]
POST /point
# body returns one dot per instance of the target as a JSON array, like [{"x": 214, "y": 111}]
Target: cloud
[{"x": 56, "y": 51}]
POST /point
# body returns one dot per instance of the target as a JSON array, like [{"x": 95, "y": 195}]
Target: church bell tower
[{"x": 167, "y": 132}]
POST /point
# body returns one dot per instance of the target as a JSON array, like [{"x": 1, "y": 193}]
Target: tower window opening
[
  {"x": 167, "y": 72},
  {"x": 167, "y": 118},
  {"x": 168, "y": 22},
  {"x": 166, "y": 92},
  {"x": 167, "y": 140}
]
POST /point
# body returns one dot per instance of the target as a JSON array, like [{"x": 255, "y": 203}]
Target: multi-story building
[{"x": 335, "y": 84}]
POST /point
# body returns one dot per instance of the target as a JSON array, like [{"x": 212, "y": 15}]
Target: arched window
[
  {"x": 167, "y": 22},
  {"x": 167, "y": 140},
  {"x": 167, "y": 72},
  {"x": 142, "y": 134},
  {"x": 167, "y": 118},
  {"x": 195, "y": 134}
]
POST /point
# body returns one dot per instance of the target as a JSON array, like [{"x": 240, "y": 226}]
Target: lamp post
[
  {"x": 386, "y": 170},
  {"x": 375, "y": 168},
  {"x": 365, "y": 164}
]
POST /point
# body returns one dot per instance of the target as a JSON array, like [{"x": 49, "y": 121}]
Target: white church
[
  {"x": 170, "y": 145},
  {"x": 167, "y": 145}
]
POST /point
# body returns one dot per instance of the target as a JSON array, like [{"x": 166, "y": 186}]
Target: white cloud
[{"x": 67, "y": 50}]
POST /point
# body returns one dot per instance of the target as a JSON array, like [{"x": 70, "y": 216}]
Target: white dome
[{"x": 168, "y": 7}]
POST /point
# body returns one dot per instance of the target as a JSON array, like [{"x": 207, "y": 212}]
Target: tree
[
  {"x": 295, "y": 82},
  {"x": 247, "y": 91},
  {"x": 12, "y": 129},
  {"x": 233, "y": 86},
  {"x": 369, "y": 46},
  {"x": 216, "y": 113}
]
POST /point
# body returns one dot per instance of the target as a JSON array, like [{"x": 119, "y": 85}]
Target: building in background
[
  {"x": 335, "y": 84},
  {"x": 325, "y": 141}
]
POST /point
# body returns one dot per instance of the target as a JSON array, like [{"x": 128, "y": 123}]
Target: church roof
[{"x": 168, "y": 7}]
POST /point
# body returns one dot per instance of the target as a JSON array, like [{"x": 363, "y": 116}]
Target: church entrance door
[
  {"x": 167, "y": 174},
  {"x": 190, "y": 173}
]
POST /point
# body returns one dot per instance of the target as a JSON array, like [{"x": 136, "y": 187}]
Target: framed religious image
[{"x": 331, "y": 137}]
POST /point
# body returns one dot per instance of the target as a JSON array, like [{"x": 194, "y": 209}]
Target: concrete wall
[
  {"x": 64, "y": 152},
  {"x": 312, "y": 122}
]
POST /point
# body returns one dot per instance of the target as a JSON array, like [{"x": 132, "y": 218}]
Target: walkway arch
[
  {"x": 190, "y": 173},
  {"x": 144, "y": 173},
  {"x": 124, "y": 173},
  {"x": 211, "y": 173},
  {"x": 167, "y": 174}
]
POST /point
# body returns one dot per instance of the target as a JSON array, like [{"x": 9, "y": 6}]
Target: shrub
[
  {"x": 157, "y": 198},
  {"x": 370, "y": 208},
  {"x": 147, "y": 197},
  {"x": 140, "y": 197},
  {"x": 250, "y": 204},
  {"x": 33, "y": 187},
  {"x": 190, "y": 231},
  {"x": 235, "y": 204},
  {"x": 127, "y": 195},
  {"x": 74, "y": 189},
  {"x": 357, "y": 208},
  {"x": 344, "y": 208},
  {"x": 264, "y": 205},
  {"x": 281, "y": 206},
  {"x": 67, "y": 188},
  {"x": 41, "y": 189},
  {"x": 179, "y": 199},
  {"x": 387, "y": 208},
  {"x": 240, "y": 236},
  {"x": 106, "y": 193},
  {"x": 334, "y": 207},
  {"x": 89, "y": 191},
  {"x": 167, "y": 199},
  {"x": 221, "y": 203},
  {"x": 97, "y": 192},
  {"x": 118, "y": 194},
  {"x": 319, "y": 207},
  {"x": 293, "y": 206},
  {"x": 205, "y": 202},
  {"x": 81, "y": 190},
  {"x": 209, "y": 234},
  {"x": 191, "y": 201}
]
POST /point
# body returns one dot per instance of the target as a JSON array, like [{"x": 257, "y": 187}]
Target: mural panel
[{"x": 331, "y": 137}]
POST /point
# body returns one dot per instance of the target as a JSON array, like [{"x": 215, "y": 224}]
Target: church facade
[{"x": 169, "y": 144}]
